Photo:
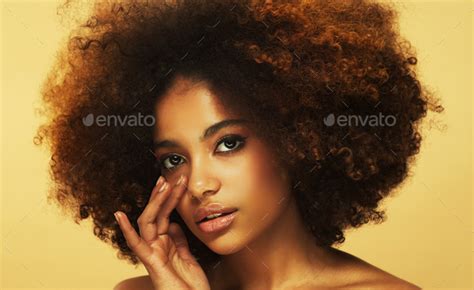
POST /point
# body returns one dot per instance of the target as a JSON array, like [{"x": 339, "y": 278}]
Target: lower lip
[{"x": 217, "y": 224}]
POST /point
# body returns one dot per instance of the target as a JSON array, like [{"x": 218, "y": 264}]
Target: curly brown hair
[{"x": 287, "y": 64}]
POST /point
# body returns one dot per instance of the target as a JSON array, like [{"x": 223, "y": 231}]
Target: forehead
[{"x": 188, "y": 107}]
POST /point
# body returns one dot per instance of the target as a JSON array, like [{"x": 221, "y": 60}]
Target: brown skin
[
  {"x": 286, "y": 63},
  {"x": 162, "y": 246},
  {"x": 267, "y": 246}
]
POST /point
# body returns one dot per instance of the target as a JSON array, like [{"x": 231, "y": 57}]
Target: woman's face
[{"x": 227, "y": 165}]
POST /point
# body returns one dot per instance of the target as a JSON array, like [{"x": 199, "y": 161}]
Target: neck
[{"x": 285, "y": 253}]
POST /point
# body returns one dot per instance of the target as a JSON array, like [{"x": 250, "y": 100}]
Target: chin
[
  {"x": 224, "y": 244},
  {"x": 224, "y": 248}
]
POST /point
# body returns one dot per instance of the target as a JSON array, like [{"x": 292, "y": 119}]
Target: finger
[
  {"x": 157, "y": 198},
  {"x": 134, "y": 242},
  {"x": 147, "y": 220},
  {"x": 165, "y": 211},
  {"x": 179, "y": 238}
]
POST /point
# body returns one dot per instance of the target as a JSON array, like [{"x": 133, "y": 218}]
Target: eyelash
[{"x": 240, "y": 140}]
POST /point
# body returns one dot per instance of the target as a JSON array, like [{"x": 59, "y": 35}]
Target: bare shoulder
[
  {"x": 363, "y": 275},
  {"x": 382, "y": 281},
  {"x": 386, "y": 281},
  {"x": 135, "y": 283}
]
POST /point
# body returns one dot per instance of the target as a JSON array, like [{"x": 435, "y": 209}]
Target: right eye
[{"x": 171, "y": 161}]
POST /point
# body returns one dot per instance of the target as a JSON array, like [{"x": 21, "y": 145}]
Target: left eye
[
  {"x": 231, "y": 142},
  {"x": 171, "y": 161},
  {"x": 226, "y": 145}
]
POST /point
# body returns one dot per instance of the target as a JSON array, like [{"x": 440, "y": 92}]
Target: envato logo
[
  {"x": 359, "y": 120},
  {"x": 117, "y": 120}
]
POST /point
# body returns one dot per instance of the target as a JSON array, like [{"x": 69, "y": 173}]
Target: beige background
[{"x": 427, "y": 238}]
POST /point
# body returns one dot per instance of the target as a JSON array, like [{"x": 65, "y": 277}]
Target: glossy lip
[
  {"x": 209, "y": 209},
  {"x": 217, "y": 224}
]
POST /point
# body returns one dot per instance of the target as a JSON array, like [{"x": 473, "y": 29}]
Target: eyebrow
[{"x": 213, "y": 129}]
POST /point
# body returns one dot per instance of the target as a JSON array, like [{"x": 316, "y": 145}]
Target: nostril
[{"x": 193, "y": 197}]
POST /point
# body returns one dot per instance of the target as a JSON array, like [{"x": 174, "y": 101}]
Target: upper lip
[{"x": 209, "y": 209}]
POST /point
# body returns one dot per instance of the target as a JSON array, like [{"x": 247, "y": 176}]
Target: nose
[{"x": 202, "y": 181}]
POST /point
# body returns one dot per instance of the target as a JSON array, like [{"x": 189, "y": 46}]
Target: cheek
[
  {"x": 184, "y": 209},
  {"x": 263, "y": 190},
  {"x": 251, "y": 182}
]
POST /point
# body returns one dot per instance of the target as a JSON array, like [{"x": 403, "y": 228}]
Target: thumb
[{"x": 177, "y": 234}]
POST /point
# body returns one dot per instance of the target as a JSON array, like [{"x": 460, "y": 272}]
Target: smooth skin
[
  {"x": 161, "y": 246},
  {"x": 267, "y": 247},
  {"x": 164, "y": 251}
]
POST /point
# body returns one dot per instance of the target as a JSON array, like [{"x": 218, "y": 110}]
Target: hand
[{"x": 162, "y": 247}]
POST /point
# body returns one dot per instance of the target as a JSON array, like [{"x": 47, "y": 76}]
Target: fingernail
[
  {"x": 116, "y": 217},
  {"x": 159, "y": 180},
  {"x": 162, "y": 187}
]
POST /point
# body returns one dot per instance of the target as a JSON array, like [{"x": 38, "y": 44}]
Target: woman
[{"x": 276, "y": 127}]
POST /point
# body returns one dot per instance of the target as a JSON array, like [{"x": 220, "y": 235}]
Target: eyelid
[
  {"x": 240, "y": 140},
  {"x": 238, "y": 137},
  {"x": 228, "y": 136},
  {"x": 163, "y": 158}
]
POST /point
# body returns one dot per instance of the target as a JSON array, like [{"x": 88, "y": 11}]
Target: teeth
[{"x": 213, "y": 215}]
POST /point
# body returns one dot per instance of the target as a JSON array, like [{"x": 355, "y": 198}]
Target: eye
[
  {"x": 171, "y": 161},
  {"x": 226, "y": 145},
  {"x": 231, "y": 142}
]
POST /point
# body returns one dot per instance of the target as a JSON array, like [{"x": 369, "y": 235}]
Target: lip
[
  {"x": 209, "y": 209},
  {"x": 217, "y": 224}
]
